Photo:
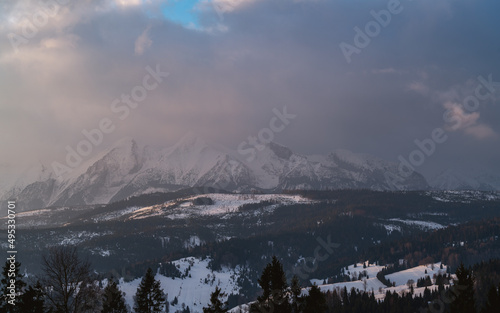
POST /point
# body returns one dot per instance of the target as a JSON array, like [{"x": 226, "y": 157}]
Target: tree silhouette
[
  {"x": 493, "y": 302},
  {"x": 149, "y": 297},
  {"x": 274, "y": 290},
  {"x": 296, "y": 290},
  {"x": 10, "y": 271},
  {"x": 464, "y": 291},
  {"x": 113, "y": 301},
  {"x": 216, "y": 305},
  {"x": 69, "y": 279},
  {"x": 315, "y": 301},
  {"x": 33, "y": 299}
]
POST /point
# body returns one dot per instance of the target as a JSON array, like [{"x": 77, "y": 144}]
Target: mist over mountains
[{"x": 129, "y": 168}]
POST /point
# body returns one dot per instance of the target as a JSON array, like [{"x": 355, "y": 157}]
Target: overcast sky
[{"x": 356, "y": 77}]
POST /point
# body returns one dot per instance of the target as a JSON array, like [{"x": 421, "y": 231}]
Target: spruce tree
[
  {"x": 274, "y": 290},
  {"x": 149, "y": 297},
  {"x": 10, "y": 273},
  {"x": 113, "y": 301},
  {"x": 216, "y": 305},
  {"x": 493, "y": 303},
  {"x": 296, "y": 291},
  {"x": 464, "y": 291},
  {"x": 33, "y": 299},
  {"x": 315, "y": 301}
]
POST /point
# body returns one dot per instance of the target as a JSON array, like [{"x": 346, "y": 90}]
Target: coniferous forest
[{"x": 69, "y": 284}]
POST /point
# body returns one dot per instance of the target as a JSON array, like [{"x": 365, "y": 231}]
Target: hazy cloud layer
[{"x": 61, "y": 68}]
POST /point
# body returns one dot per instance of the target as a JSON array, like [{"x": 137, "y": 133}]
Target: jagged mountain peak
[
  {"x": 453, "y": 179},
  {"x": 280, "y": 150},
  {"x": 127, "y": 168},
  {"x": 122, "y": 149},
  {"x": 357, "y": 159},
  {"x": 189, "y": 140}
]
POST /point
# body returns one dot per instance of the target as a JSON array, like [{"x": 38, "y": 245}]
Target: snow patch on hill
[
  {"x": 195, "y": 289},
  {"x": 425, "y": 225},
  {"x": 372, "y": 284},
  {"x": 402, "y": 277},
  {"x": 464, "y": 196},
  {"x": 221, "y": 204}
]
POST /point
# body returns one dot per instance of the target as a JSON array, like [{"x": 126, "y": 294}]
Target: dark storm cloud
[{"x": 228, "y": 75}]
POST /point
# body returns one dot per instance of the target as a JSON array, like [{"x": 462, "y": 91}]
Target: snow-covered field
[
  {"x": 391, "y": 227},
  {"x": 222, "y": 204},
  {"x": 371, "y": 270},
  {"x": 194, "y": 290},
  {"x": 425, "y": 225},
  {"x": 464, "y": 196},
  {"x": 399, "y": 278},
  {"x": 372, "y": 284}
]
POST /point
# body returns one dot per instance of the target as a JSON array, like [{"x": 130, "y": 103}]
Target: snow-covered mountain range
[
  {"x": 458, "y": 180},
  {"x": 127, "y": 169}
]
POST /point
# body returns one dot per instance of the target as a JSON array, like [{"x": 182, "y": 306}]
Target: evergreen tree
[
  {"x": 149, "y": 297},
  {"x": 464, "y": 291},
  {"x": 216, "y": 305},
  {"x": 493, "y": 303},
  {"x": 274, "y": 290},
  {"x": 113, "y": 301},
  {"x": 175, "y": 301},
  {"x": 315, "y": 301},
  {"x": 33, "y": 299},
  {"x": 11, "y": 271},
  {"x": 296, "y": 291}
]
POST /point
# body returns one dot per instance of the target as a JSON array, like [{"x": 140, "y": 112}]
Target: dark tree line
[
  {"x": 69, "y": 285},
  {"x": 278, "y": 297}
]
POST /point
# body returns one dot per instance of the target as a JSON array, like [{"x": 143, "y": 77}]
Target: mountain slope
[
  {"x": 457, "y": 180},
  {"x": 129, "y": 169}
]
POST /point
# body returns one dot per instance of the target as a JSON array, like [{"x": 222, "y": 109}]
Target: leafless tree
[{"x": 69, "y": 283}]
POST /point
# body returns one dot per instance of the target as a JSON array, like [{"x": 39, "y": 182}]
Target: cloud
[
  {"x": 459, "y": 120},
  {"x": 481, "y": 131},
  {"x": 226, "y": 80},
  {"x": 128, "y": 3},
  {"x": 418, "y": 87},
  {"x": 143, "y": 42},
  {"x": 224, "y": 6}
]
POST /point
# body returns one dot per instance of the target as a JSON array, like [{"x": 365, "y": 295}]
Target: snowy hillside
[
  {"x": 194, "y": 290},
  {"x": 220, "y": 204},
  {"x": 372, "y": 284}
]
